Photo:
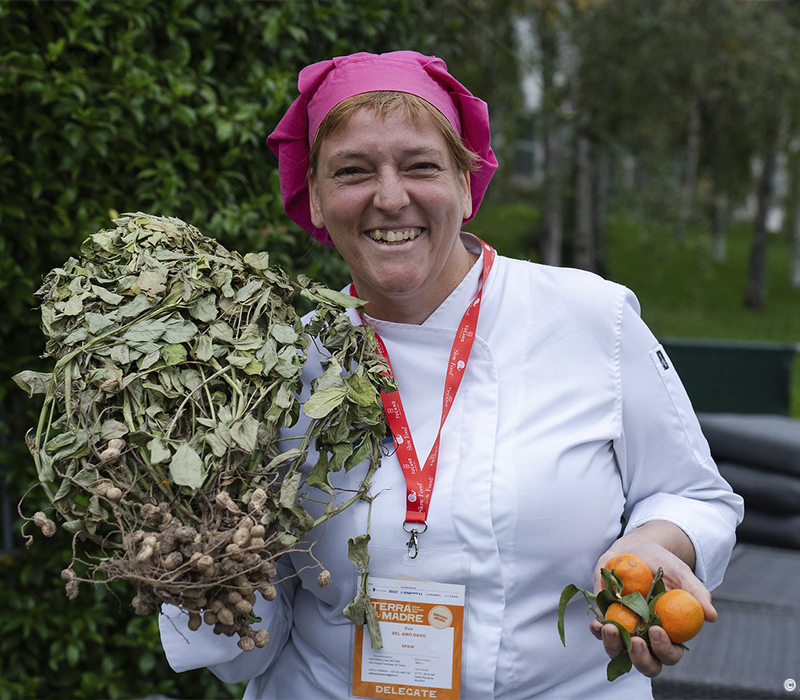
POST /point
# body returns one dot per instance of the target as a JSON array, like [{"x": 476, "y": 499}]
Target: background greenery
[
  {"x": 150, "y": 105},
  {"x": 683, "y": 291},
  {"x": 164, "y": 106}
]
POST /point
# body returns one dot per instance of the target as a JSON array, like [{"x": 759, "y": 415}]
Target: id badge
[{"x": 422, "y": 624}]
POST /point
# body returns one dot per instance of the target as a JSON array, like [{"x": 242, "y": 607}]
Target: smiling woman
[{"x": 535, "y": 432}]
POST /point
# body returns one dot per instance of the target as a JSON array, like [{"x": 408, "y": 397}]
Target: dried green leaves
[
  {"x": 191, "y": 357},
  {"x": 166, "y": 339},
  {"x": 361, "y": 610}
]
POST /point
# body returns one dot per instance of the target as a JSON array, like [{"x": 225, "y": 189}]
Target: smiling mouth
[{"x": 398, "y": 236}]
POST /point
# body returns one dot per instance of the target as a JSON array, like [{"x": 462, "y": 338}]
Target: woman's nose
[{"x": 390, "y": 192}]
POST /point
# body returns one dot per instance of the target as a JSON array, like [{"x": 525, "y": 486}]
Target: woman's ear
[
  {"x": 314, "y": 202},
  {"x": 466, "y": 194}
]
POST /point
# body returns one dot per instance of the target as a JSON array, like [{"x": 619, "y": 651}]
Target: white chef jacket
[{"x": 570, "y": 425}]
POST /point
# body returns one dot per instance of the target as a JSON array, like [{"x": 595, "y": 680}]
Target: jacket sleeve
[
  {"x": 665, "y": 462},
  {"x": 187, "y": 650}
]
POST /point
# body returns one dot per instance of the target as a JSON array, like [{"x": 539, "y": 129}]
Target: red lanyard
[{"x": 419, "y": 479}]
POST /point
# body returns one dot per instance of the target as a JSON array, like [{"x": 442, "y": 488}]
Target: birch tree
[
  {"x": 776, "y": 80},
  {"x": 547, "y": 16}
]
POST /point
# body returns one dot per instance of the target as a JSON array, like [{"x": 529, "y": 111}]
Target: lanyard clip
[{"x": 413, "y": 541}]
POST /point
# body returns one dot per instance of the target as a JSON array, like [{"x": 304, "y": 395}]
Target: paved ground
[{"x": 753, "y": 650}]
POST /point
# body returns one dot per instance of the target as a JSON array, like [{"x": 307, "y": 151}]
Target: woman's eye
[
  {"x": 348, "y": 172},
  {"x": 425, "y": 166}
]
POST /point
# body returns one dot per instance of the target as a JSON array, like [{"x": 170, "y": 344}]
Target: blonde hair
[{"x": 384, "y": 103}]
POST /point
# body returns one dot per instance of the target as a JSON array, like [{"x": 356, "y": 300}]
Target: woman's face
[{"x": 393, "y": 202}]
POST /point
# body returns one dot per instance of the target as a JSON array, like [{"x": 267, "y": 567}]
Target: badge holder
[{"x": 422, "y": 612}]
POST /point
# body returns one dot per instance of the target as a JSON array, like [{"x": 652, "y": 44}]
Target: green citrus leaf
[
  {"x": 604, "y": 599},
  {"x": 619, "y": 666},
  {"x": 624, "y": 634},
  {"x": 636, "y": 602},
  {"x": 658, "y": 586},
  {"x": 567, "y": 594},
  {"x": 611, "y": 581}
]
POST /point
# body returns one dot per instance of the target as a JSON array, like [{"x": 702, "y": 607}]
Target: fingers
[
  {"x": 643, "y": 661},
  {"x": 699, "y": 591},
  {"x": 596, "y": 629},
  {"x": 609, "y": 634},
  {"x": 661, "y": 648},
  {"x": 649, "y": 661}
]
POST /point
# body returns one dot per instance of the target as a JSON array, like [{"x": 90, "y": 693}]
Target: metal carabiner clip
[{"x": 413, "y": 542}]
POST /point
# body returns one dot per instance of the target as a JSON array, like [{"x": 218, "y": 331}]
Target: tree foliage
[
  {"x": 692, "y": 92},
  {"x": 651, "y": 61},
  {"x": 149, "y": 105}
]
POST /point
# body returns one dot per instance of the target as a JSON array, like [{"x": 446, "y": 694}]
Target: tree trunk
[
  {"x": 584, "y": 256},
  {"x": 794, "y": 264},
  {"x": 552, "y": 229},
  {"x": 602, "y": 187},
  {"x": 794, "y": 269},
  {"x": 690, "y": 174},
  {"x": 552, "y": 233},
  {"x": 719, "y": 224},
  {"x": 757, "y": 281}
]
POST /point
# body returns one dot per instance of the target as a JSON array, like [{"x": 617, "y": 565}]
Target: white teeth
[{"x": 395, "y": 236}]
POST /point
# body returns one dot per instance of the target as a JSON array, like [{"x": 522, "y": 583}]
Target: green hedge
[{"x": 160, "y": 106}]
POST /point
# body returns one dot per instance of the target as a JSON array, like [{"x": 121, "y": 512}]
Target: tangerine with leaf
[
  {"x": 634, "y": 573},
  {"x": 635, "y": 600},
  {"x": 622, "y": 614}
]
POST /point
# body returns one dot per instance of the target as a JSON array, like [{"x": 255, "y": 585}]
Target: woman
[{"x": 552, "y": 420}]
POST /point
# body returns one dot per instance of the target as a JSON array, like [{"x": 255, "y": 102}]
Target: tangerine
[
  {"x": 634, "y": 573},
  {"x": 680, "y": 615},
  {"x": 617, "y": 612}
]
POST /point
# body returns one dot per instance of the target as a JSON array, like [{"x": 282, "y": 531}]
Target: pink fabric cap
[{"x": 325, "y": 84}]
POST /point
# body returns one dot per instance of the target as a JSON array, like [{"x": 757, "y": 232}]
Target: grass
[{"x": 683, "y": 291}]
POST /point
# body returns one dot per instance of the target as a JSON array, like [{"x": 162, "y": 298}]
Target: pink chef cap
[{"x": 323, "y": 85}]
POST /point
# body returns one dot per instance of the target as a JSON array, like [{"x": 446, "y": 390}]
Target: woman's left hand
[{"x": 659, "y": 544}]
